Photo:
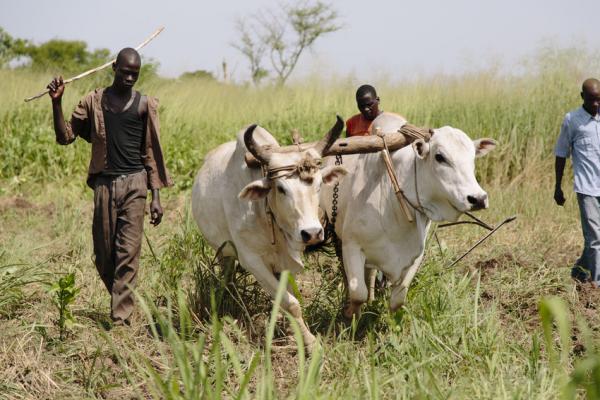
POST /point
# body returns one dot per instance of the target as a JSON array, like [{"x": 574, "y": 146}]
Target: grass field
[{"x": 471, "y": 331}]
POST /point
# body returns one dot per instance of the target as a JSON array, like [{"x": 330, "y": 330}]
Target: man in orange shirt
[{"x": 368, "y": 105}]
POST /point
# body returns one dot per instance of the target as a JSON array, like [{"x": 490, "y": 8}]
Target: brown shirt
[
  {"x": 358, "y": 126},
  {"x": 87, "y": 121}
]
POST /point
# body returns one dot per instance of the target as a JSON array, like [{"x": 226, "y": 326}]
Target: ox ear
[
  {"x": 484, "y": 146},
  {"x": 334, "y": 174},
  {"x": 421, "y": 148},
  {"x": 255, "y": 190}
]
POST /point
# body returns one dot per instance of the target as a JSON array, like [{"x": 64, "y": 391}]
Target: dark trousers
[{"x": 117, "y": 230}]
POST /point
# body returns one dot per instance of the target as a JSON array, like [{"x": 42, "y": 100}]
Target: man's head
[
  {"x": 127, "y": 68},
  {"x": 590, "y": 93},
  {"x": 367, "y": 102}
]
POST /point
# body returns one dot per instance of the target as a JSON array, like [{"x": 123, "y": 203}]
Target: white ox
[
  {"x": 436, "y": 176},
  {"x": 225, "y": 206}
]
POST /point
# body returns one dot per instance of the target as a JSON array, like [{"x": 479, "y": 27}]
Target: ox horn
[
  {"x": 259, "y": 152},
  {"x": 324, "y": 144}
]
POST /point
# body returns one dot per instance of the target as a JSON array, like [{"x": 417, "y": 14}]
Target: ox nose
[
  {"x": 478, "y": 202},
  {"x": 312, "y": 235}
]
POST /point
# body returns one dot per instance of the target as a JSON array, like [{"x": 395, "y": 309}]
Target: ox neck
[{"x": 408, "y": 167}]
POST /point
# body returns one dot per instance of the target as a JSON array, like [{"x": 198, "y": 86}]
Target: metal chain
[{"x": 337, "y": 244}]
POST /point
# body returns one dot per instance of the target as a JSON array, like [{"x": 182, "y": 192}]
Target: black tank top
[{"x": 124, "y": 136}]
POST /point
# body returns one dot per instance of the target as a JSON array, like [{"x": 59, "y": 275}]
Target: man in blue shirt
[{"x": 580, "y": 137}]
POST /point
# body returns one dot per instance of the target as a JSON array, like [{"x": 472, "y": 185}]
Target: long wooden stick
[
  {"x": 94, "y": 70},
  {"x": 506, "y": 221}
]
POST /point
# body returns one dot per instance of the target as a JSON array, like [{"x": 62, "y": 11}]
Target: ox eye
[
  {"x": 281, "y": 190},
  {"x": 440, "y": 158}
]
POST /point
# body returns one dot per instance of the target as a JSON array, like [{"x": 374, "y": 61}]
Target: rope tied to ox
[
  {"x": 305, "y": 169},
  {"x": 424, "y": 133}
]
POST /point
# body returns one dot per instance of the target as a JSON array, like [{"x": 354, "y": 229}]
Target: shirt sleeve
[
  {"x": 158, "y": 176},
  {"x": 79, "y": 125},
  {"x": 563, "y": 144}
]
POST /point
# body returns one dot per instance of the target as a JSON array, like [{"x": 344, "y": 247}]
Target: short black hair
[
  {"x": 128, "y": 52},
  {"x": 365, "y": 89}
]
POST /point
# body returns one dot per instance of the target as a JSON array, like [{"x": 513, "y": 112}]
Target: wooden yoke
[{"x": 356, "y": 144}]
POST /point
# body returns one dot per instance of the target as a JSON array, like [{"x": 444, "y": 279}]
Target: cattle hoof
[
  {"x": 352, "y": 310},
  {"x": 398, "y": 298},
  {"x": 310, "y": 344}
]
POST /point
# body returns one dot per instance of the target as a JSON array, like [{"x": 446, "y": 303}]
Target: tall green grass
[
  {"x": 522, "y": 112},
  {"x": 207, "y": 330}
]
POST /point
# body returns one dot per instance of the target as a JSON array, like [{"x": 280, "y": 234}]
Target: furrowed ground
[{"x": 471, "y": 331}]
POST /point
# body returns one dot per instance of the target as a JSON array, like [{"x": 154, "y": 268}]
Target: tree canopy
[{"x": 283, "y": 35}]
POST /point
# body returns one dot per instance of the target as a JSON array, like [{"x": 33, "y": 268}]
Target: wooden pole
[
  {"x": 94, "y": 70},
  {"x": 356, "y": 144},
  {"x": 506, "y": 221}
]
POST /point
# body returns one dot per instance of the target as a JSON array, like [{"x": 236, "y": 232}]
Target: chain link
[{"x": 337, "y": 244}]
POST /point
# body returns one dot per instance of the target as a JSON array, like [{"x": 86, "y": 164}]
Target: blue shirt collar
[{"x": 583, "y": 112}]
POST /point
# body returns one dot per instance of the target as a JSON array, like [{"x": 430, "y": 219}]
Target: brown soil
[
  {"x": 21, "y": 204},
  {"x": 14, "y": 202},
  {"x": 588, "y": 301},
  {"x": 488, "y": 266}
]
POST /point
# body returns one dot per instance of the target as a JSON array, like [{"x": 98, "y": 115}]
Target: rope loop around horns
[{"x": 306, "y": 168}]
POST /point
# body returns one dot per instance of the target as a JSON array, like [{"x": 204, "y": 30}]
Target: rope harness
[
  {"x": 270, "y": 216},
  {"x": 304, "y": 169},
  {"x": 400, "y": 195},
  {"x": 414, "y": 133},
  {"x": 288, "y": 171}
]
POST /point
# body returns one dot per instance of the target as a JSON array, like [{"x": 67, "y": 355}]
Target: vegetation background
[{"x": 471, "y": 331}]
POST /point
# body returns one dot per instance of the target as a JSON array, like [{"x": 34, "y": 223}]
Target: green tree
[
  {"x": 6, "y": 46},
  {"x": 63, "y": 55},
  {"x": 9, "y": 47},
  {"x": 198, "y": 74},
  {"x": 253, "y": 49},
  {"x": 284, "y": 34}
]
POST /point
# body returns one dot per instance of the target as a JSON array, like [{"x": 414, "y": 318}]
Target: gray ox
[
  {"x": 437, "y": 178},
  {"x": 225, "y": 206}
]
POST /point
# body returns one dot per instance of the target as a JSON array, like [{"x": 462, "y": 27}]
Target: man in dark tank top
[{"x": 127, "y": 161}]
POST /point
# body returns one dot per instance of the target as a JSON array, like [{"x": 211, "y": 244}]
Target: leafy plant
[
  {"x": 64, "y": 292},
  {"x": 586, "y": 370}
]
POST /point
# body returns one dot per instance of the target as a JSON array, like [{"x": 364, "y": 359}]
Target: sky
[{"x": 397, "y": 39}]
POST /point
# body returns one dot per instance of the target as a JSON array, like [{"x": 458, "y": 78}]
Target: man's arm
[
  {"x": 66, "y": 133},
  {"x": 156, "y": 211},
  {"x": 562, "y": 151},
  {"x": 559, "y": 168},
  {"x": 57, "y": 89}
]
